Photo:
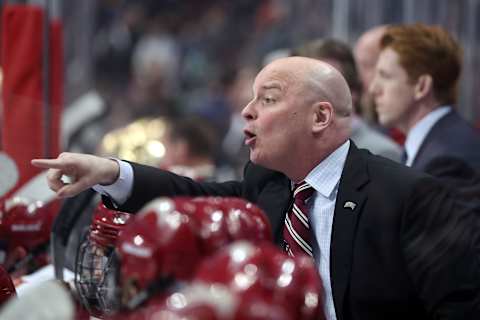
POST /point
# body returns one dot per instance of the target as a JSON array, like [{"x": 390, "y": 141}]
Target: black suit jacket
[
  {"x": 405, "y": 252},
  {"x": 451, "y": 136}
]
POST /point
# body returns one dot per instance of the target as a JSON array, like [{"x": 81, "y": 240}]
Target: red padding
[{"x": 23, "y": 122}]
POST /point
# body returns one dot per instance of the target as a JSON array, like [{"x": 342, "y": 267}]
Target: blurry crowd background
[
  {"x": 126, "y": 60},
  {"x": 130, "y": 59}
]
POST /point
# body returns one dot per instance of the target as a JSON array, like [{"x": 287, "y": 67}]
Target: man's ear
[
  {"x": 322, "y": 116},
  {"x": 423, "y": 86}
]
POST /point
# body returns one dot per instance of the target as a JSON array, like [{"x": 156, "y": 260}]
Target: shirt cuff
[{"x": 120, "y": 190}]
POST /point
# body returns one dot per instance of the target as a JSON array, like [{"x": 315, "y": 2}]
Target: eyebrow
[{"x": 272, "y": 85}]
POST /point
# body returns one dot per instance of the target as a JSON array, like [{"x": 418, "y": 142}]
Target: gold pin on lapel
[{"x": 350, "y": 205}]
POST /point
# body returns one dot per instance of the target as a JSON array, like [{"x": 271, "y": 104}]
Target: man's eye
[{"x": 268, "y": 100}]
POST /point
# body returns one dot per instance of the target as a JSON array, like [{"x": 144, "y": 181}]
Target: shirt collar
[
  {"x": 420, "y": 130},
  {"x": 325, "y": 176}
]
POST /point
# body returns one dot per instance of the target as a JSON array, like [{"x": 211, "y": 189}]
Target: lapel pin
[{"x": 349, "y": 204}]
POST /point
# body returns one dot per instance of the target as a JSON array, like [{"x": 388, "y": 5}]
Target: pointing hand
[{"x": 72, "y": 173}]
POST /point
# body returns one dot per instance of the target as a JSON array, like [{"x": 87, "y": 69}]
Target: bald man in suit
[{"x": 389, "y": 242}]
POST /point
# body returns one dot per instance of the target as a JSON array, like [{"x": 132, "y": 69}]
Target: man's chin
[
  {"x": 385, "y": 122},
  {"x": 263, "y": 163},
  {"x": 254, "y": 158}
]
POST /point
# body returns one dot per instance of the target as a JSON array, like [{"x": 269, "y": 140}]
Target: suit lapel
[
  {"x": 275, "y": 199},
  {"x": 426, "y": 148},
  {"x": 271, "y": 191},
  {"x": 349, "y": 205}
]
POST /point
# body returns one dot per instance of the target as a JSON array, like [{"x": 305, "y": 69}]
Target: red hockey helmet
[
  {"x": 158, "y": 247},
  {"x": 196, "y": 301},
  {"x": 269, "y": 275},
  {"x": 221, "y": 221},
  {"x": 213, "y": 301},
  {"x": 170, "y": 236},
  {"x": 25, "y": 227},
  {"x": 245, "y": 282},
  {"x": 96, "y": 266},
  {"x": 246, "y": 221}
]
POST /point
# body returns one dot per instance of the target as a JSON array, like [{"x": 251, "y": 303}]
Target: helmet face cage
[
  {"x": 96, "y": 265},
  {"x": 96, "y": 271}
]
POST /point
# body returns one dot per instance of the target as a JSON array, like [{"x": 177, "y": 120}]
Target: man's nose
[{"x": 248, "y": 113}]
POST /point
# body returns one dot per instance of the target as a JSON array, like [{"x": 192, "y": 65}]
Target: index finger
[{"x": 48, "y": 163}]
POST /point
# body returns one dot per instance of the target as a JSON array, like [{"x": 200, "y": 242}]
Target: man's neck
[
  {"x": 419, "y": 112},
  {"x": 311, "y": 160},
  {"x": 419, "y": 132}
]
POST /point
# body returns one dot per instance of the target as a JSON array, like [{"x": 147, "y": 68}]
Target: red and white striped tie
[{"x": 296, "y": 232}]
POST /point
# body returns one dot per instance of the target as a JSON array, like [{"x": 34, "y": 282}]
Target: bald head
[
  {"x": 314, "y": 80},
  {"x": 366, "y": 52},
  {"x": 300, "y": 107}
]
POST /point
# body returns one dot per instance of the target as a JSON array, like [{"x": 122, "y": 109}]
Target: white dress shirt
[
  {"x": 120, "y": 190},
  {"x": 419, "y": 131},
  {"x": 324, "y": 178}
]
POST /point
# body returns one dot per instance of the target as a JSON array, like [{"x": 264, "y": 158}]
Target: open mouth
[{"x": 249, "y": 137}]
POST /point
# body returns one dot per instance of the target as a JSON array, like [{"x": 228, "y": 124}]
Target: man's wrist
[
  {"x": 113, "y": 172},
  {"x": 119, "y": 190}
]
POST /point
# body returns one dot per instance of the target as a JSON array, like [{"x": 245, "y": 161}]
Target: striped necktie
[{"x": 296, "y": 232}]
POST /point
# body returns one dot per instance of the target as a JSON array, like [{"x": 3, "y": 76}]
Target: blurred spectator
[
  {"x": 137, "y": 76},
  {"x": 212, "y": 103},
  {"x": 418, "y": 94},
  {"x": 366, "y": 52},
  {"x": 339, "y": 55},
  {"x": 142, "y": 140},
  {"x": 83, "y": 122},
  {"x": 119, "y": 26},
  {"x": 153, "y": 89},
  {"x": 190, "y": 146},
  {"x": 186, "y": 145}
]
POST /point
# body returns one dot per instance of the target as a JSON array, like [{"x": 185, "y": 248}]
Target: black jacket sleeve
[{"x": 440, "y": 244}]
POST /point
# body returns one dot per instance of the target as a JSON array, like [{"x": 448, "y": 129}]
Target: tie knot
[{"x": 302, "y": 191}]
